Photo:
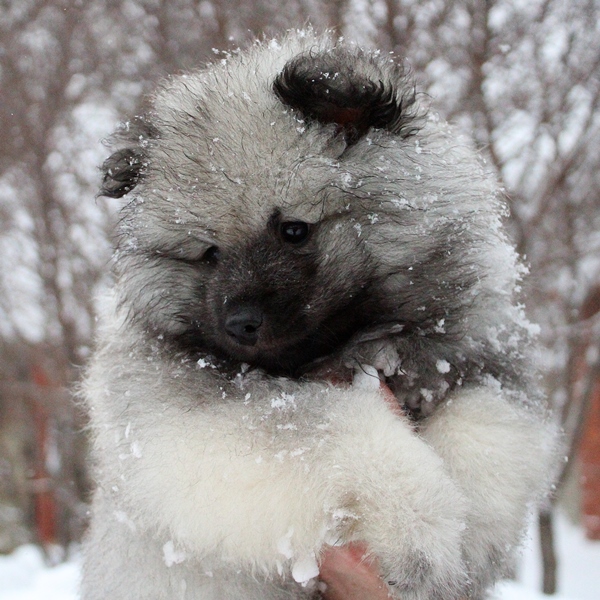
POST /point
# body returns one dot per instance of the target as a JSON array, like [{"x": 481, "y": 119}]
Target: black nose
[{"x": 243, "y": 324}]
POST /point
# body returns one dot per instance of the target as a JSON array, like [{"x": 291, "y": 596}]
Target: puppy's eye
[
  {"x": 294, "y": 232},
  {"x": 211, "y": 256}
]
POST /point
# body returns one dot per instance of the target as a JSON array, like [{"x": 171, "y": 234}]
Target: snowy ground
[{"x": 23, "y": 575}]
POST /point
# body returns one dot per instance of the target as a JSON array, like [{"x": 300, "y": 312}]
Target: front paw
[
  {"x": 417, "y": 549},
  {"x": 418, "y": 546},
  {"x": 405, "y": 506},
  {"x": 421, "y": 576}
]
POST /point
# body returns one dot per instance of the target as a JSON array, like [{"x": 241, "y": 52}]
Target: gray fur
[{"x": 225, "y": 457}]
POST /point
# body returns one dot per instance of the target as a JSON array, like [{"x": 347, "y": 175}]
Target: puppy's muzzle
[{"x": 243, "y": 324}]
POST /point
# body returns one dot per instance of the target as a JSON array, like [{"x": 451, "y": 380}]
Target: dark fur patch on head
[
  {"x": 125, "y": 167},
  {"x": 339, "y": 87},
  {"x": 122, "y": 171}
]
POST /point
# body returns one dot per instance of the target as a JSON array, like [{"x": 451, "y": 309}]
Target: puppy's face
[
  {"x": 279, "y": 206},
  {"x": 276, "y": 298}
]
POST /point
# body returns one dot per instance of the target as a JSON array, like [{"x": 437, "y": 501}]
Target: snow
[
  {"x": 578, "y": 564},
  {"x": 305, "y": 569},
  {"x": 171, "y": 555},
  {"x": 443, "y": 366},
  {"x": 366, "y": 378},
  {"x": 24, "y": 576}
]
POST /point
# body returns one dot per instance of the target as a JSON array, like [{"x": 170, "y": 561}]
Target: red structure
[
  {"x": 589, "y": 455},
  {"x": 589, "y": 450},
  {"x": 44, "y": 498}
]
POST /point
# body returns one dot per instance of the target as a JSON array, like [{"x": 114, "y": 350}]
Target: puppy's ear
[
  {"x": 356, "y": 91},
  {"x": 122, "y": 171}
]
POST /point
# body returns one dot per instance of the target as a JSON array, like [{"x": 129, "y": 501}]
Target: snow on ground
[
  {"x": 23, "y": 575},
  {"x": 578, "y": 564}
]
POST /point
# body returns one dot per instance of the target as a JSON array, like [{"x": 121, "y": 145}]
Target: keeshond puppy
[{"x": 298, "y": 238}]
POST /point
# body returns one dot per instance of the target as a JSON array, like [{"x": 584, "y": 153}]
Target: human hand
[{"x": 350, "y": 574}]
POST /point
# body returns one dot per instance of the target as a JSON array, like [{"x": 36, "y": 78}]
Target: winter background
[{"x": 520, "y": 77}]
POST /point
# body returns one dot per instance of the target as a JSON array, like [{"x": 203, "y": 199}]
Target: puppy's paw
[
  {"x": 406, "y": 507},
  {"x": 419, "y": 547},
  {"x": 420, "y": 577}
]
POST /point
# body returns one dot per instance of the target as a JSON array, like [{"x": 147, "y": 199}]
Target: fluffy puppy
[{"x": 291, "y": 218}]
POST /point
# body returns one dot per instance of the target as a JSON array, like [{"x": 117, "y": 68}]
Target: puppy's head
[{"x": 291, "y": 199}]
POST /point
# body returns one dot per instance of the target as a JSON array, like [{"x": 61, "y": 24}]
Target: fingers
[
  {"x": 391, "y": 400},
  {"x": 350, "y": 574}
]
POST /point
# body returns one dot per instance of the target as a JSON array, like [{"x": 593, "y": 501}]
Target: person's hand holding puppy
[{"x": 350, "y": 574}]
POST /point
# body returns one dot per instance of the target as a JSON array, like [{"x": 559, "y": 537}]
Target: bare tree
[{"x": 57, "y": 87}]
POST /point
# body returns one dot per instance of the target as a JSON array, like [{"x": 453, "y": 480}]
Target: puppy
[{"x": 293, "y": 221}]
